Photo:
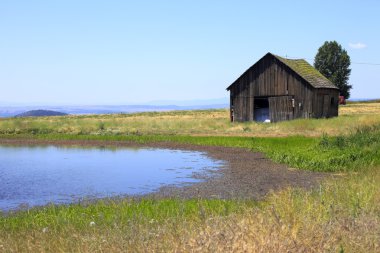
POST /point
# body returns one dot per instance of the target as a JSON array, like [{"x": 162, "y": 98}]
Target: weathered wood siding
[
  {"x": 281, "y": 108},
  {"x": 271, "y": 78},
  {"x": 325, "y": 103}
]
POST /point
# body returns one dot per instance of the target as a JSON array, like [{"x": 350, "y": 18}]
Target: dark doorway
[{"x": 261, "y": 109}]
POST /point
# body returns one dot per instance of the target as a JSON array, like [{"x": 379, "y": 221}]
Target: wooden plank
[
  {"x": 280, "y": 108},
  {"x": 270, "y": 79}
]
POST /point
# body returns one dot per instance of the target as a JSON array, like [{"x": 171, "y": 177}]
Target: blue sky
[{"x": 126, "y": 52}]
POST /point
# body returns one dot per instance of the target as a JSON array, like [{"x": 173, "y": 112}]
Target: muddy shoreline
[{"x": 246, "y": 174}]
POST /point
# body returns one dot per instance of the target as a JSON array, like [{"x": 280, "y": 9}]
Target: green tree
[{"x": 334, "y": 63}]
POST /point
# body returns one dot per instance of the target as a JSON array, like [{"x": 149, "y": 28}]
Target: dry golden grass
[
  {"x": 341, "y": 216},
  {"x": 360, "y": 108},
  {"x": 195, "y": 123}
]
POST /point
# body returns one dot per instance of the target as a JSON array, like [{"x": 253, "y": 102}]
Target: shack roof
[{"x": 302, "y": 68}]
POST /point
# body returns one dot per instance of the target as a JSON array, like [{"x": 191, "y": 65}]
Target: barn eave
[{"x": 301, "y": 68}]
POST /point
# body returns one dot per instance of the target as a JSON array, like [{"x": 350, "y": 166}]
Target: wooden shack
[{"x": 276, "y": 89}]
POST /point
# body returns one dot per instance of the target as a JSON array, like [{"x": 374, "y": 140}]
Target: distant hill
[
  {"x": 11, "y": 111},
  {"x": 40, "y": 113},
  {"x": 372, "y": 100}
]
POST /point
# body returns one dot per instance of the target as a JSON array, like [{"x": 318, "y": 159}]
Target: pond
[{"x": 38, "y": 175}]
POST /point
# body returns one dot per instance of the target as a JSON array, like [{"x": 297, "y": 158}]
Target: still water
[{"x": 38, "y": 175}]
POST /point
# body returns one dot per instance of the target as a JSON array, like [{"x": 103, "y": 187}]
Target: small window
[{"x": 332, "y": 101}]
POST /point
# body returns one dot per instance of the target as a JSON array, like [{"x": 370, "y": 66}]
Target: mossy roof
[
  {"x": 303, "y": 69},
  {"x": 307, "y": 72}
]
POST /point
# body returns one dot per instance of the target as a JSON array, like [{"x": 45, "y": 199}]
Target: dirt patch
[{"x": 245, "y": 175}]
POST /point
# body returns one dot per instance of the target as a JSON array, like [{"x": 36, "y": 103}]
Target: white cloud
[{"x": 358, "y": 45}]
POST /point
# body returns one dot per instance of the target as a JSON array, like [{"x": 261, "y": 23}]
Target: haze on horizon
[{"x": 96, "y": 52}]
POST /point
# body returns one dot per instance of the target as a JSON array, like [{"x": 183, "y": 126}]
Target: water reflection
[{"x": 37, "y": 175}]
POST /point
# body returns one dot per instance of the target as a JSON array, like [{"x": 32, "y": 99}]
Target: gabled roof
[{"x": 303, "y": 69}]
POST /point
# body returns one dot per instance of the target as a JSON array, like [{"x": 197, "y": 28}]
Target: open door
[
  {"x": 261, "y": 109},
  {"x": 281, "y": 108}
]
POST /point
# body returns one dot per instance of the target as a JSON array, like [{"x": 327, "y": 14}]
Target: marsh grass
[
  {"x": 351, "y": 152},
  {"x": 341, "y": 214}
]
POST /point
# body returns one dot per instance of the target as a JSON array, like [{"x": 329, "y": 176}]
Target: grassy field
[
  {"x": 349, "y": 152},
  {"x": 194, "y": 123},
  {"x": 341, "y": 215}
]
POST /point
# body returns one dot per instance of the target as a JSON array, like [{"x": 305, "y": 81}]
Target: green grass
[
  {"x": 329, "y": 154},
  {"x": 106, "y": 212},
  {"x": 341, "y": 215}
]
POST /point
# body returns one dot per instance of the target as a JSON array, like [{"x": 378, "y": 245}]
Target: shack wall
[{"x": 271, "y": 78}]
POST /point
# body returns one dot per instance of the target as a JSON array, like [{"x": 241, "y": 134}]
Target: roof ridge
[
  {"x": 301, "y": 68},
  {"x": 307, "y": 72}
]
